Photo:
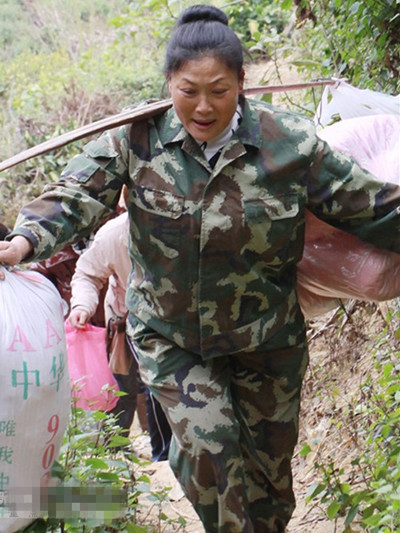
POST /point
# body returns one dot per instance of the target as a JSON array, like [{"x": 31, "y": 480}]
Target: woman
[
  {"x": 217, "y": 186},
  {"x": 106, "y": 263}
]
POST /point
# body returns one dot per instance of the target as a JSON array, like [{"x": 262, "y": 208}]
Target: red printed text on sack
[{"x": 21, "y": 343}]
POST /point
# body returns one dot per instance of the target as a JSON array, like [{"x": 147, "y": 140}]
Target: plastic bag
[
  {"x": 373, "y": 141},
  {"x": 34, "y": 393},
  {"x": 336, "y": 264},
  {"x": 93, "y": 383},
  {"x": 346, "y": 101}
]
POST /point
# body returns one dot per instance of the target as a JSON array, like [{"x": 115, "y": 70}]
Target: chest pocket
[
  {"x": 96, "y": 156},
  {"x": 271, "y": 207},
  {"x": 157, "y": 215},
  {"x": 272, "y": 223},
  {"x": 159, "y": 203}
]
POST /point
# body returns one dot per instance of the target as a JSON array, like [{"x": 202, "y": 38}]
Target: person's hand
[
  {"x": 78, "y": 318},
  {"x": 14, "y": 251}
]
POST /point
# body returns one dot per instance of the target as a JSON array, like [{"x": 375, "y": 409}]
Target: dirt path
[{"x": 267, "y": 73}]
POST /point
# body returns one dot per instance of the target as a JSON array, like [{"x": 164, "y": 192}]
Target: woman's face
[{"x": 205, "y": 95}]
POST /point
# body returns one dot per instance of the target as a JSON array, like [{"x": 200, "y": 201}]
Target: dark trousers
[
  {"x": 158, "y": 425},
  {"x": 126, "y": 406},
  {"x": 159, "y": 428}
]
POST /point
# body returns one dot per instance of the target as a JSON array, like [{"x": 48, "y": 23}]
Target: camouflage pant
[{"x": 235, "y": 423}]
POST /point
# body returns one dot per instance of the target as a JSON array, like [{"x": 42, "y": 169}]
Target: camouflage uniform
[{"x": 214, "y": 312}]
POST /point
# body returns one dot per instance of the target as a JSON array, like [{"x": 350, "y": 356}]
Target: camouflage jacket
[{"x": 214, "y": 250}]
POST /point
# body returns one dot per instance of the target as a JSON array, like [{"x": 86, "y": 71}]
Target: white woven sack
[
  {"x": 339, "y": 266},
  {"x": 345, "y": 101},
  {"x": 34, "y": 393}
]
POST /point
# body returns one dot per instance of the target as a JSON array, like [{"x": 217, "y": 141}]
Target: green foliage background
[{"x": 64, "y": 64}]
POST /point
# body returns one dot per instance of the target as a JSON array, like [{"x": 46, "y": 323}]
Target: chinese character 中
[{"x": 25, "y": 378}]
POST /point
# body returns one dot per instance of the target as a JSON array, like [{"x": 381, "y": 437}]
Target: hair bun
[{"x": 202, "y": 12}]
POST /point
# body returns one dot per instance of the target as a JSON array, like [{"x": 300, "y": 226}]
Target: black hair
[{"x": 203, "y": 31}]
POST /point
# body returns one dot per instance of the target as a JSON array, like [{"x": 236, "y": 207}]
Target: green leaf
[
  {"x": 99, "y": 416},
  {"x": 314, "y": 491},
  {"x": 333, "y": 510},
  {"x": 134, "y": 528},
  {"x": 96, "y": 463},
  {"x": 118, "y": 440},
  {"x": 351, "y": 515},
  {"x": 108, "y": 476},
  {"x": 120, "y": 393},
  {"x": 286, "y": 4},
  {"x": 305, "y": 63},
  {"x": 267, "y": 98},
  {"x": 355, "y": 6},
  {"x": 306, "y": 449},
  {"x": 57, "y": 470}
]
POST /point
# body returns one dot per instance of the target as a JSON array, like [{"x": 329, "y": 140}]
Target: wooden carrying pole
[{"x": 131, "y": 116}]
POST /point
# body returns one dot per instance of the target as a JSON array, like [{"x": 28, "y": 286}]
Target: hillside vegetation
[
  {"x": 64, "y": 64},
  {"x": 68, "y": 63}
]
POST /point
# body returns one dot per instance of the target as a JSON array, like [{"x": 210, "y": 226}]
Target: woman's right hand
[
  {"x": 14, "y": 251},
  {"x": 79, "y": 318}
]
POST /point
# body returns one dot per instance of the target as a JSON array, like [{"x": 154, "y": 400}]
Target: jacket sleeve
[
  {"x": 344, "y": 195},
  {"x": 86, "y": 194}
]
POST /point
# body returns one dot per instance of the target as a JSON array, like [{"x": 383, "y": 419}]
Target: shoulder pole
[{"x": 132, "y": 116}]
